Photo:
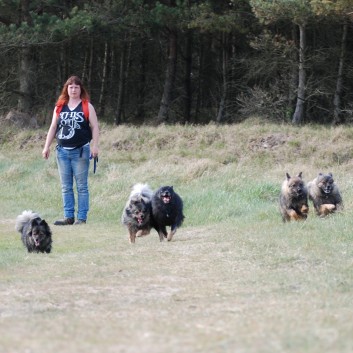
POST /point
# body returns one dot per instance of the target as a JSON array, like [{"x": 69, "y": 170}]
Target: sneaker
[
  {"x": 80, "y": 221},
  {"x": 64, "y": 222}
]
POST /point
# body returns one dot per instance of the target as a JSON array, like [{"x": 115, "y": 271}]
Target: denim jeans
[{"x": 74, "y": 164}]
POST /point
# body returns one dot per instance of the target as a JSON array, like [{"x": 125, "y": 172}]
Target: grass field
[{"x": 234, "y": 278}]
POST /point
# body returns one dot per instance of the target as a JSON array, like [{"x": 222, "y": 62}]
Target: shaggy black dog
[
  {"x": 167, "y": 210},
  {"x": 137, "y": 212},
  {"x": 35, "y": 232}
]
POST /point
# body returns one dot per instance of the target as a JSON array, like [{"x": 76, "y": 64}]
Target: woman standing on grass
[{"x": 74, "y": 124}]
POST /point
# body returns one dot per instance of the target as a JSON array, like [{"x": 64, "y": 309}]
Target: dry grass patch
[{"x": 234, "y": 278}]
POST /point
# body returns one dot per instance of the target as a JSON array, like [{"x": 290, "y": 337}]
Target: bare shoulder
[
  {"x": 91, "y": 107},
  {"x": 92, "y": 113}
]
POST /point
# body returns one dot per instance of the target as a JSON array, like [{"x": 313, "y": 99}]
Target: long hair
[{"x": 64, "y": 96}]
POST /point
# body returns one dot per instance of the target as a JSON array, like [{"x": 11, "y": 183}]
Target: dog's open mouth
[
  {"x": 166, "y": 198},
  {"x": 139, "y": 220},
  {"x": 36, "y": 242}
]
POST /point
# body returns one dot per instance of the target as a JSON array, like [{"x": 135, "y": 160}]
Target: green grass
[{"x": 234, "y": 278}]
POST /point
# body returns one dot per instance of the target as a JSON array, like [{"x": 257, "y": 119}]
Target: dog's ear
[
  {"x": 288, "y": 176},
  {"x": 34, "y": 222},
  {"x": 300, "y": 175},
  {"x": 43, "y": 223},
  {"x": 330, "y": 174},
  {"x": 144, "y": 201}
]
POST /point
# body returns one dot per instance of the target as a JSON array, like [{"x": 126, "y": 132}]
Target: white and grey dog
[{"x": 137, "y": 212}]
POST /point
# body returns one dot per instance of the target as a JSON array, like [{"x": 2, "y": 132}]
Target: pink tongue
[{"x": 166, "y": 199}]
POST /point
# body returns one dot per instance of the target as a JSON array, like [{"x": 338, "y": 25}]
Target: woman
[{"x": 74, "y": 124}]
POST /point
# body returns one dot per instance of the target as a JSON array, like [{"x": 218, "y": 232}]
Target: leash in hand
[{"x": 95, "y": 161}]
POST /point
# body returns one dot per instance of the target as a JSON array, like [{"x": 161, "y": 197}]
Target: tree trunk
[
  {"x": 187, "y": 81},
  {"x": 90, "y": 66},
  {"x": 339, "y": 84},
  {"x": 222, "y": 104},
  {"x": 200, "y": 59},
  {"x": 140, "y": 114},
  {"x": 121, "y": 86},
  {"x": 84, "y": 66},
  {"x": 298, "y": 115},
  {"x": 27, "y": 65},
  {"x": 169, "y": 78},
  {"x": 27, "y": 80},
  {"x": 293, "y": 84},
  {"x": 106, "y": 64}
]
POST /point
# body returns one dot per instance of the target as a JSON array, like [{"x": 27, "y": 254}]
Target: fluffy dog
[
  {"x": 167, "y": 210},
  {"x": 137, "y": 212},
  {"x": 325, "y": 195},
  {"x": 35, "y": 232},
  {"x": 294, "y": 199}
]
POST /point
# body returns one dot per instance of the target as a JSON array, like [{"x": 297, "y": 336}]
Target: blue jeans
[{"x": 74, "y": 164}]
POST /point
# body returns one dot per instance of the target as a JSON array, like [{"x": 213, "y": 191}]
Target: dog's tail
[
  {"x": 24, "y": 218},
  {"x": 141, "y": 191}
]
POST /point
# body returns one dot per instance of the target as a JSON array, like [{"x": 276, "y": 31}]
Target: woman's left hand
[{"x": 94, "y": 151}]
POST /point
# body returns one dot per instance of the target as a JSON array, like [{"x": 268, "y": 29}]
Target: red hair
[{"x": 64, "y": 96}]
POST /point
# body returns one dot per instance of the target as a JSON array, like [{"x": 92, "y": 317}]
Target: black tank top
[{"x": 73, "y": 129}]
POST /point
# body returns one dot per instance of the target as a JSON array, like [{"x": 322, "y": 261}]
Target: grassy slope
[{"x": 235, "y": 279}]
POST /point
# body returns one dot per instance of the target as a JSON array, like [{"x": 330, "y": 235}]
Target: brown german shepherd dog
[
  {"x": 294, "y": 199},
  {"x": 325, "y": 195}
]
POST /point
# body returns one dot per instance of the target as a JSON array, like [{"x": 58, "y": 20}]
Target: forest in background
[{"x": 181, "y": 61}]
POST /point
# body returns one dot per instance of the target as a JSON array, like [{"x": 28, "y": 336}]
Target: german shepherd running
[
  {"x": 294, "y": 199},
  {"x": 325, "y": 195}
]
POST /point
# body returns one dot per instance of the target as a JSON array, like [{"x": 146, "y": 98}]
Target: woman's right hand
[{"x": 46, "y": 153}]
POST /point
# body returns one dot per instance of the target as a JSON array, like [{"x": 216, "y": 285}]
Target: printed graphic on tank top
[{"x": 73, "y": 129}]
